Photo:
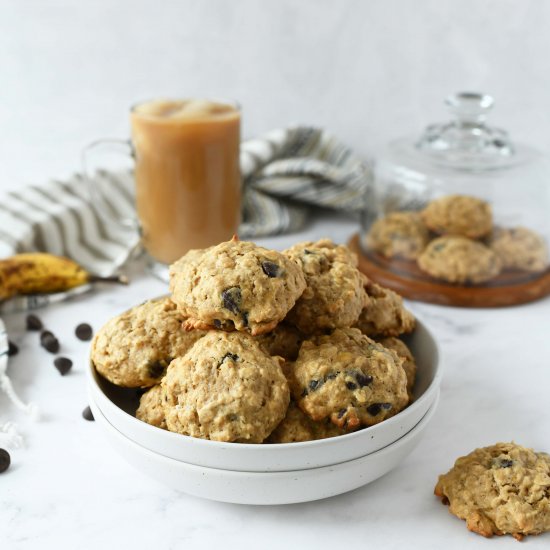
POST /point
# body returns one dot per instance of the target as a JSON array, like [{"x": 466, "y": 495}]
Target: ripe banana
[{"x": 40, "y": 273}]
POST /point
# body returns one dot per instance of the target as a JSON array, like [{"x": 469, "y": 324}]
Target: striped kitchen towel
[{"x": 285, "y": 174}]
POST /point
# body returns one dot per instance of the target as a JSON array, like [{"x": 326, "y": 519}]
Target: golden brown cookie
[
  {"x": 134, "y": 348},
  {"x": 334, "y": 296},
  {"x": 348, "y": 378},
  {"x": 151, "y": 409},
  {"x": 385, "y": 314},
  {"x": 399, "y": 234},
  {"x": 459, "y": 215},
  {"x": 235, "y": 285},
  {"x": 501, "y": 489},
  {"x": 459, "y": 260},
  {"x": 409, "y": 363},
  {"x": 520, "y": 248},
  {"x": 226, "y": 388},
  {"x": 297, "y": 426}
]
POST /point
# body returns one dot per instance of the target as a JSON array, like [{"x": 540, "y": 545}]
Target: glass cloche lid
[
  {"x": 465, "y": 142},
  {"x": 459, "y": 214}
]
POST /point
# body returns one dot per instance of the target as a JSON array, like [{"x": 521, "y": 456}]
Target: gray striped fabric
[{"x": 285, "y": 174}]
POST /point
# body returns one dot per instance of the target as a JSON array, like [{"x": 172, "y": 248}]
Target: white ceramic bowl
[
  {"x": 264, "y": 487},
  {"x": 118, "y": 405}
]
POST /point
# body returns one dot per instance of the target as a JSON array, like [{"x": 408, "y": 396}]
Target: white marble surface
[
  {"x": 68, "y": 489},
  {"x": 367, "y": 70}
]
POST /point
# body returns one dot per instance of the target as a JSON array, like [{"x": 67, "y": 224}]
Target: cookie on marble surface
[
  {"x": 385, "y": 314},
  {"x": 235, "y": 285},
  {"x": 134, "y": 348},
  {"x": 151, "y": 408},
  {"x": 226, "y": 388},
  {"x": 520, "y": 248},
  {"x": 349, "y": 379},
  {"x": 459, "y": 260},
  {"x": 459, "y": 215},
  {"x": 501, "y": 489},
  {"x": 399, "y": 234},
  {"x": 334, "y": 295},
  {"x": 409, "y": 363},
  {"x": 297, "y": 426}
]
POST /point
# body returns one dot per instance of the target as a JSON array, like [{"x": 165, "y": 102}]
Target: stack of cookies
[
  {"x": 255, "y": 345},
  {"x": 453, "y": 239}
]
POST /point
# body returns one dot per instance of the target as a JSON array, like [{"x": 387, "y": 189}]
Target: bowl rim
[
  {"x": 404, "y": 439},
  {"x": 92, "y": 374}
]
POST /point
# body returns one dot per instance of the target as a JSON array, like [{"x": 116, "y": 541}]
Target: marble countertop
[{"x": 68, "y": 489}]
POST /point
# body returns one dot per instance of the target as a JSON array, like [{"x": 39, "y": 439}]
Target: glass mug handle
[{"x": 105, "y": 209}]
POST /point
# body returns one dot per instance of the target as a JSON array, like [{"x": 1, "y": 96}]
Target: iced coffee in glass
[{"x": 187, "y": 174}]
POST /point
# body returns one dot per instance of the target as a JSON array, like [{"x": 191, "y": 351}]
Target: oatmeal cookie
[
  {"x": 385, "y": 314},
  {"x": 409, "y": 364},
  {"x": 459, "y": 215},
  {"x": 334, "y": 296},
  {"x": 134, "y": 348},
  {"x": 297, "y": 426},
  {"x": 151, "y": 409},
  {"x": 226, "y": 388},
  {"x": 399, "y": 234},
  {"x": 284, "y": 341},
  {"x": 501, "y": 489},
  {"x": 348, "y": 378},
  {"x": 459, "y": 260},
  {"x": 520, "y": 248},
  {"x": 235, "y": 285}
]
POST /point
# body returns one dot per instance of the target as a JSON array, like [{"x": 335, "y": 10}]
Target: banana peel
[{"x": 43, "y": 273}]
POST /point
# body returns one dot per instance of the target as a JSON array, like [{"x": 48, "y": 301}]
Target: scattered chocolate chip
[
  {"x": 304, "y": 392},
  {"x": 233, "y": 417},
  {"x": 386, "y": 406},
  {"x": 84, "y": 332},
  {"x": 34, "y": 322},
  {"x": 217, "y": 323},
  {"x": 332, "y": 375},
  {"x": 231, "y": 299},
  {"x": 63, "y": 365},
  {"x": 156, "y": 369},
  {"x": 245, "y": 318},
  {"x": 49, "y": 342},
  {"x": 506, "y": 463},
  {"x": 363, "y": 379},
  {"x": 5, "y": 460},
  {"x": 271, "y": 269},
  {"x": 341, "y": 412},
  {"x": 87, "y": 414},
  {"x": 306, "y": 251},
  {"x": 233, "y": 356},
  {"x": 12, "y": 349},
  {"x": 315, "y": 384},
  {"x": 351, "y": 385}
]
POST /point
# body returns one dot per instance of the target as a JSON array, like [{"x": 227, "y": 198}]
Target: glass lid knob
[
  {"x": 470, "y": 107},
  {"x": 467, "y": 134}
]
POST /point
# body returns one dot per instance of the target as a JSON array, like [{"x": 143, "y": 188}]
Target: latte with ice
[{"x": 187, "y": 174}]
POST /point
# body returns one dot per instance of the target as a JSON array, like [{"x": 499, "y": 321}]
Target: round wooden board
[{"x": 405, "y": 278}]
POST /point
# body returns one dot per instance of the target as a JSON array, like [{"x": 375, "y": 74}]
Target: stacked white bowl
[{"x": 272, "y": 473}]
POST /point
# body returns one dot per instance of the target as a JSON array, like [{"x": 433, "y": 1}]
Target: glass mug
[{"x": 187, "y": 178}]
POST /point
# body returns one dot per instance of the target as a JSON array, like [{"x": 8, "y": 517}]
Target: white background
[{"x": 367, "y": 70}]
